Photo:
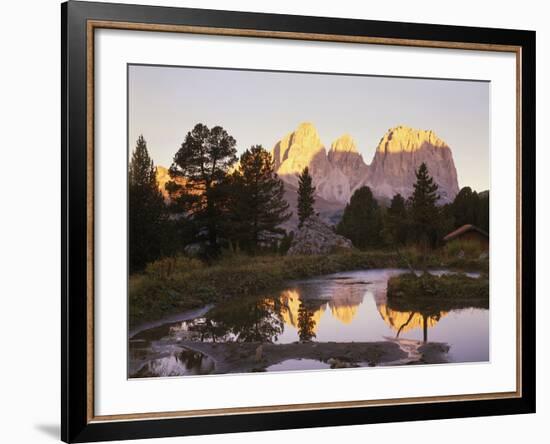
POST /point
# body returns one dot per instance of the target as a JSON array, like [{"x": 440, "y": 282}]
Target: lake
[{"x": 342, "y": 307}]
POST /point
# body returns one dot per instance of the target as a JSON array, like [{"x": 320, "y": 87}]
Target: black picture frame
[{"x": 76, "y": 423}]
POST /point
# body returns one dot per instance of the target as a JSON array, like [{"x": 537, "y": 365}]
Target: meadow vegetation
[
  {"x": 232, "y": 210},
  {"x": 429, "y": 294},
  {"x": 179, "y": 283}
]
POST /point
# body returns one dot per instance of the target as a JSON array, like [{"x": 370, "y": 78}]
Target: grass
[
  {"x": 173, "y": 285},
  {"x": 431, "y": 294},
  {"x": 470, "y": 249}
]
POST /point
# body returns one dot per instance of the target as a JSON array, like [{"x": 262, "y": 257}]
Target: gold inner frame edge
[{"x": 92, "y": 25}]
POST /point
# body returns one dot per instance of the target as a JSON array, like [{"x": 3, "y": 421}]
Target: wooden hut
[{"x": 469, "y": 233}]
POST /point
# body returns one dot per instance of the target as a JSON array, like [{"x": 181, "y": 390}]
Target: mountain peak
[
  {"x": 298, "y": 149},
  {"x": 344, "y": 144},
  {"x": 306, "y": 136},
  {"x": 399, "y": 154},
  {"x": 403, "y": 138},
  {"x": 341, "y": 171}
]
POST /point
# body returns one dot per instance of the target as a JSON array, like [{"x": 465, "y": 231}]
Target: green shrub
[
  {"x": 166, "y": 267},
  {"x": 471, "y": 249},
  {"x": 430, "y": 294}
]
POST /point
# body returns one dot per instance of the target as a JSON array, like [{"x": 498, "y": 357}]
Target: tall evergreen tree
[
  {"x": 203, "y": 161},
  {"x": 306, "y": 196},
  {"x": 469, "y": 207},
  {"x": 466, "y": 207},
  {"x": 306, "y": 323},
  {"x": 146, "y": 208},
  {"x": 362, "y": 222},
  {"x": 425, "y": 216},
  {"x": 483, "y": 212},
  {"x": 396, "y": 225},
  {"x": 258, "y": 205}
]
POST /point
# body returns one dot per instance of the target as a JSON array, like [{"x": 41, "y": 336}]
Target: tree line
[
  {"x": 417, "y": 220},
  {"x": 216, "y": 199}
]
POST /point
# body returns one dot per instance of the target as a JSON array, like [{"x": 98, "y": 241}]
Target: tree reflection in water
[
  {"x": 402, "y": 321},
  {"x": 251, "y": 320},
  {"x": 306, "y": 324},
  {"x": 263, "y": 319}
]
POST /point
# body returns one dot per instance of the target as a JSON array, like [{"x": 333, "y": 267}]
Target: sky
[{"x": 261, "y": 107}]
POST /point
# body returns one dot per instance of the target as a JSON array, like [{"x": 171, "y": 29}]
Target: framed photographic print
[{"x": 275, "y": 221}]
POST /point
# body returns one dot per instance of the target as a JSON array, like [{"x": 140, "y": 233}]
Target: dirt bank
[{"x": 234, "y": 357}]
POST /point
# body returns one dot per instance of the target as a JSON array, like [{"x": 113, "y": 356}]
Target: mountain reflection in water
[{"x": 343, "y": 307}]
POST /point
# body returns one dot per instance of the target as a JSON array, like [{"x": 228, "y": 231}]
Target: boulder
[{"x": 316, "y": 237}]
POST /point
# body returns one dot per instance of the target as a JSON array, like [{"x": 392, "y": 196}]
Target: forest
[{"x": 221, "y": 204}]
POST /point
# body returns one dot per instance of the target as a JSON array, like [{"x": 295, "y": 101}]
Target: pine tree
[
  {"x": 465, "y": 207},
  {"x": 362, "y": 221},
  {"x": 146, "y": 208},
  {"x": 203, "y": 161},
  {"x": 483, "y": 211},
  {"x": 396, "y": 223},
  {"x": 306, "y": 324},
  {"x": 425, "y": 215},
  {"x": 306, "y": 196},
  {"x": 258, "y": 206}
]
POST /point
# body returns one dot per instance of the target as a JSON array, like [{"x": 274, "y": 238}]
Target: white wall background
[{"x": 30, "y": 207}]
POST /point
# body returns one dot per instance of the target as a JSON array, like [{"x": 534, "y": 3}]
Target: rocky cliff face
[
  {"x": 343, "y": 155},
  {"x": 338, "y": 173},
  {"x": 400, "y": 153},
  {"x": 342, "y": 170},
  {"x": 303, "y": 148}
]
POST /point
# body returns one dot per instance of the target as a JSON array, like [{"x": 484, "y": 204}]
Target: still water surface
[{"x": 341, "y": 307}]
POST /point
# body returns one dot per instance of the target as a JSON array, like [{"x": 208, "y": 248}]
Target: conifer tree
[
  {"x": 146, "y": 208},
  {"x": 362, "y": 222},
  {"x": 258, "y": 206},
  {"x": 306, "y": 324},
  {"x": 203, "y": 161},
  {"x": 465, "y": 207},
  {"x": 397, "y": 221},
  {"x": 483, "y": 211},
  {"x": 306, "y": 196},
  {"x": 425, "y": 216}
]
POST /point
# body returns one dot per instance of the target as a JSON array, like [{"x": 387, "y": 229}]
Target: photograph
[{"x": 300, "y": 221}]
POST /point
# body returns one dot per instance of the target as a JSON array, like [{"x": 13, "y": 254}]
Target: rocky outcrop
[
  {"x": 341, "y": 171},
  {"x": 400, "y": 153},
  {"x": 343, "y": 154},
  {"x": 303, "y": 148},
  {"x": 316, "y": 237},
  {"x": 163, "y": 177}
]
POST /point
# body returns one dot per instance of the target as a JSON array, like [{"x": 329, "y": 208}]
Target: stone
[
  {"x": 484, "y": 255},
  {"x": 194, "y": 249},
  {"x": 316, "y": 237}
]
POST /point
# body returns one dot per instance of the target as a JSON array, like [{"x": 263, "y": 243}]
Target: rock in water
[{"x": 316, "y": 237}]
